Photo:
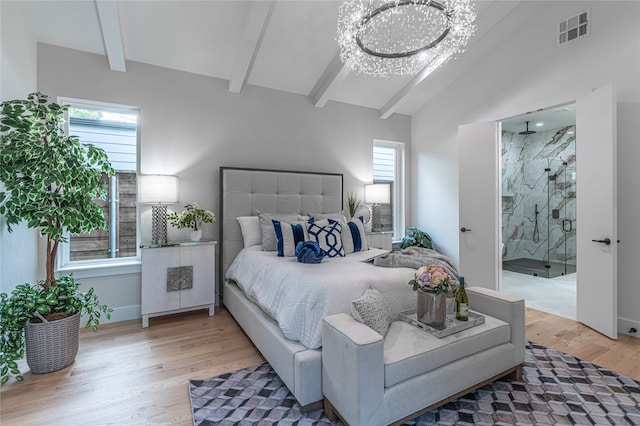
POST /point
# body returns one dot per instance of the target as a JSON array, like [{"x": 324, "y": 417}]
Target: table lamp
[
  {"x": 376, "y": 194},
  {"x": 159, "y": 191}
]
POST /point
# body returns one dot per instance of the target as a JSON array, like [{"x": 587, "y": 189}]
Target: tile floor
[{"x": 554, "y": 295}]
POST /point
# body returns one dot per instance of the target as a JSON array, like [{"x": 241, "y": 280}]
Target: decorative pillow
[
  {"x": 353, "y": 236},
  {"x": 335, "y": 216},
  {"x": 371, "y": 310},
  {"x": 268, "y": 233},
  {"x": 328, "y": 237},
  {"x": 288, "y": 235},
  {"x": 309, "y": 252},
  {"x": 251, "y": 232}
]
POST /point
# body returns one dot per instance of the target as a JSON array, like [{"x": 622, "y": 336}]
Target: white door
[
  {"x": 597, "y": 282},
  {"x": 479, "y": 177}
]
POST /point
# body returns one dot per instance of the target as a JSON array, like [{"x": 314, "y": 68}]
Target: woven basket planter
[{"x": 53, "y": 345}]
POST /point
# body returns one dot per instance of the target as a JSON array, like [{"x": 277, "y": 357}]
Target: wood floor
[{"x": 127, "y": 375}]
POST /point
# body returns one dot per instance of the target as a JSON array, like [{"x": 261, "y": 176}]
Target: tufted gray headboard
[{"x": 243, "y": 191}]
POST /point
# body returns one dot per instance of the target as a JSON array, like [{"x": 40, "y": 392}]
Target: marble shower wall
[{"x": 526, "y": 183}]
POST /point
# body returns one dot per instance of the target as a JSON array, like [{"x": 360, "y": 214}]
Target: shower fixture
[
  {"x": 536, "y": 232},
  {"x": 527, "y": 132}
]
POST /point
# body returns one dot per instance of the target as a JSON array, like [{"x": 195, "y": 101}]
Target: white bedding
[{"x": 299, "y": 295}]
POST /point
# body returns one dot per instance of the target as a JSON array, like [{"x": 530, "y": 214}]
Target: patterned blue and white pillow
[
  {"x": 328, "y": 236},
  {"x": 353, "y": 236},
  {"x": 288, "y": 235}
]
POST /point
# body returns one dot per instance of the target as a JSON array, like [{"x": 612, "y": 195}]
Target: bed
[{"x": 285, "y": 324}]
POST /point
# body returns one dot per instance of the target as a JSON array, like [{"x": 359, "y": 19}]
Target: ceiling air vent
[{"x": 573, "y": 28}]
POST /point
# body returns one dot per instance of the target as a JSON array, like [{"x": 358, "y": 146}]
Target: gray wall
[
  {"x": 190, "y": 125},
  {"x": 526, "y": 186},
  {"x": 525, "y": 72},
  {"x": 18, "y": 249}
]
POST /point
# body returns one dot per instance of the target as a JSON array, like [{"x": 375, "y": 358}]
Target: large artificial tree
[{"x": 48, "y": 180}]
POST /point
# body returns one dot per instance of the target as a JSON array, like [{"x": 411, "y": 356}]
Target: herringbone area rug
[{"x": 556, "y": 389}]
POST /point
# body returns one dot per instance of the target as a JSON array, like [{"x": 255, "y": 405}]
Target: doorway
[
  {"x": 479, "y": 208},
  {"x": 538, "y": 209}
]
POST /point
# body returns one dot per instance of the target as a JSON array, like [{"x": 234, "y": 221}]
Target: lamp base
[
  {"x": 376, "y": 225},
  {"x": 158, "y": 224}
]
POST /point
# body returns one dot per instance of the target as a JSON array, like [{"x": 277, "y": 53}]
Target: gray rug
[{"x": 556, "y": 389}]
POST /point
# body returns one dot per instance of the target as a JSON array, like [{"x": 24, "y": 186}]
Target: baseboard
[
  {"x": 625, "y": 326},
  {"x": 124, "y": 313}
]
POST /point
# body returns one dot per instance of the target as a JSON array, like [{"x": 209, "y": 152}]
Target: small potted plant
[
  {"x": 49, "y": 180},
  {"x": 417, "y": 238},
  {"x": 192, "y": 217},
  {"x": 352, "y": 204}
]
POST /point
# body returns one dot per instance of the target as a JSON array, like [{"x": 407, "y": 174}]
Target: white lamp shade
[
  {"x": 158, "y": 189},
  {"x": 377, "y": 193}
]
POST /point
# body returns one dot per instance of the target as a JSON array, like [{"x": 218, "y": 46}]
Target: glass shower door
[{"x": 561, "y": 250}]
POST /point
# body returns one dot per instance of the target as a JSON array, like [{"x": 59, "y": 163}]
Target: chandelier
[{"x": 400, "y": 37}]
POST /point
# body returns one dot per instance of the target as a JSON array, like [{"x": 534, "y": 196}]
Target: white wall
[
  {"x": 527, "y": 71},
  {"x": 628, "y": 215},
  {"x": 18, "y": 249},
  {"x": 191, "y": 125}
]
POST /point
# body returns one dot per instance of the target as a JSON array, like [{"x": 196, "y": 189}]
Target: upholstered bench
[{"x": 371, "y": 380}]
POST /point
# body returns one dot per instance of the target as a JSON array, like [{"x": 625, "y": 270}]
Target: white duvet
[{"x": 299, "y": 295}]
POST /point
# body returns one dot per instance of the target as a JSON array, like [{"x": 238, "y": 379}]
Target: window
[
  {"x": 115, "y": 129},
  {"x": 388, "y": 167}
]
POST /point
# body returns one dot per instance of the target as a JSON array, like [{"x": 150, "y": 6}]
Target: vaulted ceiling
[{"x": 280, "y": 44}]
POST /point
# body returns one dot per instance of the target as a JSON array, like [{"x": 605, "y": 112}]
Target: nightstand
[
  {"x": 178, "y": 277},
  {"x": 381, "y": 240}
]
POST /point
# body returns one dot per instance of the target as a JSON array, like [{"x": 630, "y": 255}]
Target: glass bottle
[{"x": 462, "y": 303}]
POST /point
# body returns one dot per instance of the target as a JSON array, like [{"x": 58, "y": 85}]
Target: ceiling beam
[
  {"x": 111, "y": 35},
  {"x": 333, "y": 76},
  {"x": 491, "y": 13},
  {"x": 401, "y": 97},
  {"x": 255, "y": 26}
]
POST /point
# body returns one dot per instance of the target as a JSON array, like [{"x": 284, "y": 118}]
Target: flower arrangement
[
  {"x": 192, "y": 217},
  {"x": 432, "y": 279}
]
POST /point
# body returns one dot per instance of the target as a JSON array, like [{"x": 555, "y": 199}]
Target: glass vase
[{"x": 431, "y": 309}]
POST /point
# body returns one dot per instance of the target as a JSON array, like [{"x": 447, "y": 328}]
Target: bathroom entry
[
  {"x": 480, "y": 205},
  {"x": 538, "y": 208},
  {"x": 539, "y": 193}
]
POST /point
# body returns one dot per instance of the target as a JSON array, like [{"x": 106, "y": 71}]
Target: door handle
[
  {"x": 463, "y": 229},
  {"x": 606, "y": 241}
]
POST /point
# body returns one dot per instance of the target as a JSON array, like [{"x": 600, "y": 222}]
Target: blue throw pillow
[
  {"x": 288, "y": 235},
  {"x": 353, "y": 236},
  {"x": 309, "y": 252}
]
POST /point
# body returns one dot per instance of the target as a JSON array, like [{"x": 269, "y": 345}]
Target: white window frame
[
  {"x": 399, "y": 186},
  {"x": 102, "y": 267}
]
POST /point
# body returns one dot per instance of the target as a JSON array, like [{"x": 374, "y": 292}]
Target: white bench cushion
[{"x": 410, "y": 351}]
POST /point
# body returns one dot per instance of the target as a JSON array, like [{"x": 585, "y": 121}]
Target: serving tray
[{"x": 452, "y": 324}]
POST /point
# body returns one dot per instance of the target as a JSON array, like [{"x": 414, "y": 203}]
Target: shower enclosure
[{"x": 539, "y": 203}]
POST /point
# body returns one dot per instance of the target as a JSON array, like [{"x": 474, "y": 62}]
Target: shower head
[{"x": 527, "y": 132}]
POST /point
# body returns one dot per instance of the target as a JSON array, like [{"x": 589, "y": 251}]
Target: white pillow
[
  {"x": 251, "y": 232},
  {"x": 329, "y": 237}
]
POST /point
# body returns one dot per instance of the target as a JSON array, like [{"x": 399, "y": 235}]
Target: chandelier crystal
[{"x": 400, "y": 37}]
